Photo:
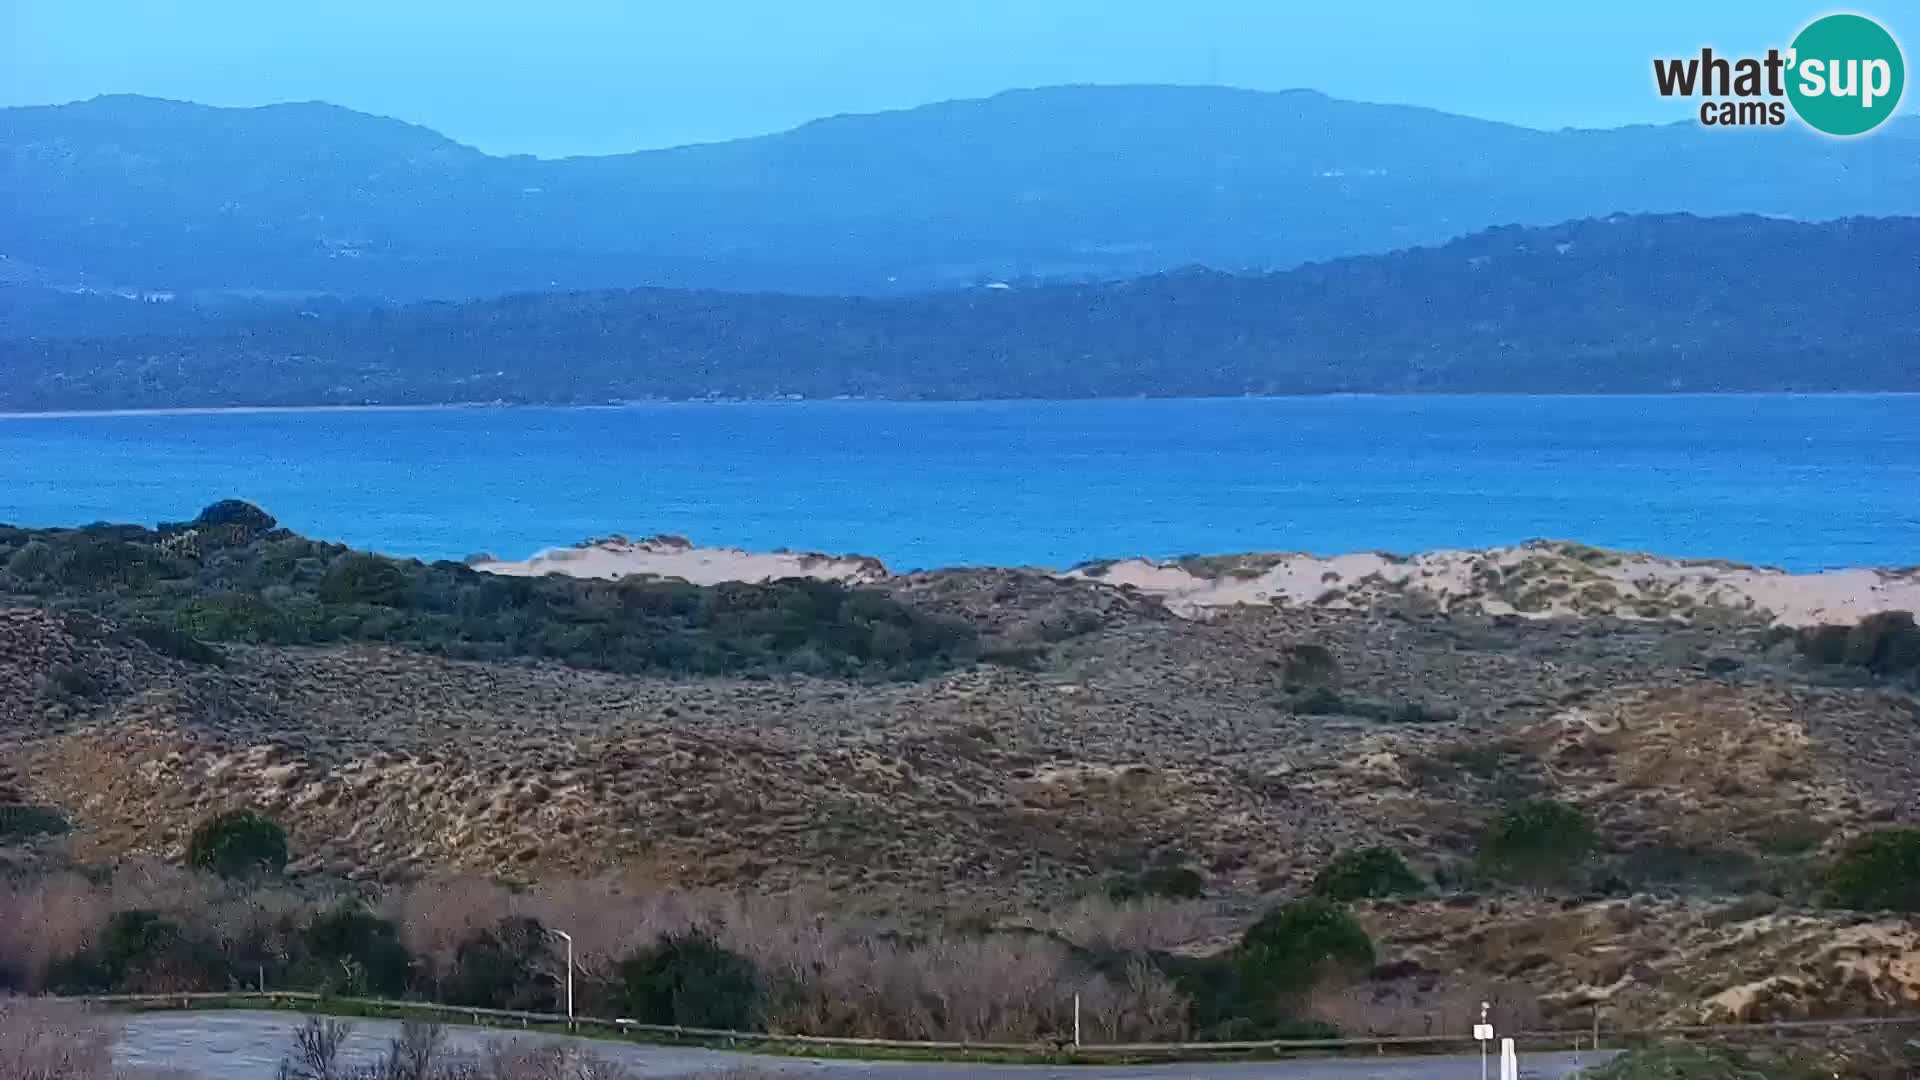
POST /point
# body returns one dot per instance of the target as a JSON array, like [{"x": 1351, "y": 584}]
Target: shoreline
[{"x": 492, "y": 406}]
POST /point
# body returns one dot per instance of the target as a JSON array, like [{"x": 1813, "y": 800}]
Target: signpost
[{"x": 1483, "y": 1031}]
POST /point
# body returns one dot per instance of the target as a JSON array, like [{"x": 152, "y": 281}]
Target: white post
[
  {"x": 1509, "y": 1061},
  {"x": 1076, "y": 1020},
  {"x": 1483, "y": 1032},
  {"x": 568, "y": 938}
]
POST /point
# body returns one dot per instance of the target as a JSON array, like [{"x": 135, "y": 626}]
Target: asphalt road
[{"x": 249, "y": 1045}]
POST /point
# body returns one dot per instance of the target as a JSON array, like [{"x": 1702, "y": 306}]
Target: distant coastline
[{"x": 517, "y": 406}]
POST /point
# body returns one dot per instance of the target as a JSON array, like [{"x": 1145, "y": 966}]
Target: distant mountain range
[
  {"x": 1620, "y": 304},
  {"x": 1067, "y": 183}
]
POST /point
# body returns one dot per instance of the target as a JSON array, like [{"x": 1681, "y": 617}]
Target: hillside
[
  {"x": 1622, "y": 304},
  {"x": 1062, "y": 182},
  {"x": 1721, "y": 764}
]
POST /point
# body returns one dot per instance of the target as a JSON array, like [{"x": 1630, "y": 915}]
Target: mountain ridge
[
  {"x": 1624, "y": 304},
  {"x": 1059, "y": 183}
]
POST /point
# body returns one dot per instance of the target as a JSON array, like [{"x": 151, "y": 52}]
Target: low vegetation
[
  {"x": 421, "y": 1052},
  {"x": 238, "y": 843},
  {"x": 1690, "y": 1061},
  {"x": 1878, "y": 872},
  {"x": 42, "y": 1041},
  {"x": 232, "y": 575},
  {"x": 1886, "y": 643},
  {"x": 1366, "y": 874},
  {"x": 695, "y": 959},
  {"x": 1539, "y": 842}
]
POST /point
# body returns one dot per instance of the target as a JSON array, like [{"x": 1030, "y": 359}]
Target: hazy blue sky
[{"x": 556, "y": 77}]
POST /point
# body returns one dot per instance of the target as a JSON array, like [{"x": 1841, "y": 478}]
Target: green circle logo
[{"x": 1846, "y": 74}]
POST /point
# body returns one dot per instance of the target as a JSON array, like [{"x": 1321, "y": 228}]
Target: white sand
[
  {"x": 1539, "y": 580},
  {"x": 670, "y": 557}
]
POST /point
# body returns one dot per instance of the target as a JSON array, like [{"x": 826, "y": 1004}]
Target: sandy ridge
[{"x": 1539, "y": 579}]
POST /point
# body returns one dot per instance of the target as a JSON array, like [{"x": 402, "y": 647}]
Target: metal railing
[{"x": 1577, "y": 1038}]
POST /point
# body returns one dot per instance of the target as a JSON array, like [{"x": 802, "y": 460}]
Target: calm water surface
[{"x": 1797, "y": 481}]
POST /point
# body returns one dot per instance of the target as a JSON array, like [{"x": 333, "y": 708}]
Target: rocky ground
[{"x": 1250, "y": 746}]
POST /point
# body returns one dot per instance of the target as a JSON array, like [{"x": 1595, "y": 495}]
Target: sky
[{"x": 561, "y": 77}]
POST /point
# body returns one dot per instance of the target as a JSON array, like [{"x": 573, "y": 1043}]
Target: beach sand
[
  {"x": 673, "y": 557},
  {"x": 1542, "y": 579}
]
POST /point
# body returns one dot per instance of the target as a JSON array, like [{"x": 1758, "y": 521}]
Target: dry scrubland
[{"x": 951, "y": 848}]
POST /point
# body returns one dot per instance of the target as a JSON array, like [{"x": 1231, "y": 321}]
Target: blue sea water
[{"x": 1804, "y": 482}]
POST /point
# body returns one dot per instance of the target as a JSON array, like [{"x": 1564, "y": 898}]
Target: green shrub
[
  {"x": 236, "y": 513},
  {"x": 1878, "y": 872},
  {"x": 141, "y": 952},
  {"x": 1538, "y": 842},
  {"x": 503, "y": 967},
  {"x": 238, "y": 843},
  {"x": 1295, "y": 946},
  {"x": 350, "y": 950},
  {"x": 267, "y": 586},
  {"x": 1369, "y": 873},
  {"x": 691, "y": 980},
  {"x": 357, "y": 578},
  {"x": 1885, "y": 643},
  {"x": 18, "y": 820}
]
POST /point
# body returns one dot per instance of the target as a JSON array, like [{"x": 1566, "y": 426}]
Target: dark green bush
[
  {"x": 691, "y": 980},
  {"x": 18, "y": 820},
  {"x": 350, "y": 950},
  {"x": 1878, "y": 872},
  {"x": 1296, "y": 945},
  {"x": 238, "y": 843},
  {"x": 1538, "y": 842},
  {"x": 1366, "y": 874},
  {"x": 507, "y": 966},
  {"x": 141, "y": 952},
  {"x": 236, "y": 513},
  {"x": 357, "y": 578},
  {"x": 271, "y": 587},
  {"x": 1885, "y": 643}
]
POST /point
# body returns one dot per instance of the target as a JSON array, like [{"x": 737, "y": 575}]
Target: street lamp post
[{"x": 568, "y": 938}]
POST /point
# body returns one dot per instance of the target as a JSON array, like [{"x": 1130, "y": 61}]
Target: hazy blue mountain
[
  {"x": 1059, "y": 183},
  {"x": 1626, "y": 304}
]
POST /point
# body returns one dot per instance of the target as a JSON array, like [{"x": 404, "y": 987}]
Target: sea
[{"x": 1800, "y": 482}]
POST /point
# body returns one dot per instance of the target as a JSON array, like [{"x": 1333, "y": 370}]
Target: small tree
[
  {"x": 1366, "y": 874},
  {"x": 1295, "y": 946},
  {"x": 506, "y": 966},
  {"x": 1538, "y": 842},
  {"x": 692, "y": 980},
  {"x": 1878, "y": 872},
  {"x": 237, "y": 844},
  {"x": 357, "y": 952}
]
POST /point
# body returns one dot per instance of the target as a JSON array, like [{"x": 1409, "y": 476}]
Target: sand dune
[
  {"x": 673, "y": 557},
  {"x": 1541, "y": 579}
]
